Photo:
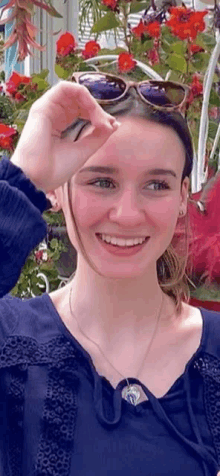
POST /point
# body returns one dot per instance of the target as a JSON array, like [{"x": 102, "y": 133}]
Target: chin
[{"x": 122, "y": 271}]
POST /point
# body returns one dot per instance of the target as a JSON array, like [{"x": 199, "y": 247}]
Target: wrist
[{"x": 18, "y": 162}]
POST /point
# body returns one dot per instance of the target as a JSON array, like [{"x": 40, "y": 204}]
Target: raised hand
[{"x": 45, "y": 157}]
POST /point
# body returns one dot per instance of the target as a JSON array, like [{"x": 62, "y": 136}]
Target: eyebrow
[{"x": 113, "y": 170}]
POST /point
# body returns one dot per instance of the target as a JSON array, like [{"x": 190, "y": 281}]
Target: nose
[{"x": 128, "y": 210}]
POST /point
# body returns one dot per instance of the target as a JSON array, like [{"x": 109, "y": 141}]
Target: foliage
[
  {"x": 39, "y": 261},
  {"x": 176, "y": 42}
]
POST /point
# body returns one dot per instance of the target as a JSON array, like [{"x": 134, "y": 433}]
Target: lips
[{"x": 122, "y": 251}]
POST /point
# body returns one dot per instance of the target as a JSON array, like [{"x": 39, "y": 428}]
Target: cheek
[
  {"x": 88, "y": 210},
  {"x": 163, "y": 212}
]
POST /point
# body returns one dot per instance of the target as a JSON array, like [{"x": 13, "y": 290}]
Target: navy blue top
[{"x": 59, "y": 417}]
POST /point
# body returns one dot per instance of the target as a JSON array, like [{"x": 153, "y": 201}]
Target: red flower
[
  {"x": 126, "y": 62},
  {"x": 14, "y": 82},
  {"x": 153, "y": 56},
  {"x": 185, "y": 23},
  {"x": 19, "y": 97},
  {"x": 91, "y": 49},
  {"x": 17, "y": 79},
  {"x": 33, "y": 86},
  {"x": 11, "y": 88},
  {"x": 198, "y": 21},
  {"x": 153, "y": 29},
  {"x": 139, "y": 30},
  {"x": 112, "y": 4},
  {"x": 195, "y": 49},
  {"x": 6, "y": 143},
  {"x": 66, "y": 44},
  {"x": 7, "y": 134},
  {"x": 196, "y": 89},
  {"x": 196, "y": 86},
  {"x": 39, "y": 255}
]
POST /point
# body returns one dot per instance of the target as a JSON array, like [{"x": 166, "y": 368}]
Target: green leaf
[
  {"x": 177, "y": 62},
  {"x": 178, "y": 48},
  {"x": 116, "y": 51},
  {"x": 138, "y": 6},
  {"x": 214, "y": 98},
  {"x": 212, "y": 129},
  {"x": 61, "y": 72},
  {"x": 42, "y": 84},
  {"x": 215, "y": 78},
  {"x": 22, "y": 116},
  {"x": 53, "y": 243},
  {"x": 200, "y": 61},
  {"x": 166, "y": 46},
  {"x": 209, "y": 40},
  {"x": 51, "y": 10},
  {"x": 107, "y": 22},
  {"x": 103, "y": 8},
  {"x": 174, "y": 77},
  {"x": 43, "y": 74},
  {"x": 166, "y": 34}
]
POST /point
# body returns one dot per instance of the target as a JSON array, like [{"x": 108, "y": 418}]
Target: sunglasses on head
[{"x": 107, "y": 88}]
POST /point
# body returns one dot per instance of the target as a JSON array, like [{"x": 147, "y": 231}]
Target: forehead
[{"x": 140, "y": 139}]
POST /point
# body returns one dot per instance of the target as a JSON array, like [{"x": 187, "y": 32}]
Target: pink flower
[{"x": 24, "y": 30}]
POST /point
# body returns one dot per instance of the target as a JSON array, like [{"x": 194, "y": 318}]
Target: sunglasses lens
[
  {"x": 159, "y": 94},
  {"x": 102, "y": 86}
]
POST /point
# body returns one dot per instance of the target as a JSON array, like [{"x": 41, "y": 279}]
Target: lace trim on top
[
  {"x": 60, "y": 406},
  {"x": 209, "y": 367}
]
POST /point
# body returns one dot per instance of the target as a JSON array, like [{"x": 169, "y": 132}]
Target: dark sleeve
[{"x": 22, "y": 227}]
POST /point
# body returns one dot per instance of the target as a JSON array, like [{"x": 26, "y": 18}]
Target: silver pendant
[{"x": 131, "y": 394}]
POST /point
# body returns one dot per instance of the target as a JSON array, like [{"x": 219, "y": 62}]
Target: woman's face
[{"x": 134, "y": 200}]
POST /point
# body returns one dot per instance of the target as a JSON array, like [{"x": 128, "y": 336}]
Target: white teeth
[{"x": 121, "y": 241}]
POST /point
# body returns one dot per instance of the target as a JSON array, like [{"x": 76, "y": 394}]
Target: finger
[{"x": 67, "y": 101}]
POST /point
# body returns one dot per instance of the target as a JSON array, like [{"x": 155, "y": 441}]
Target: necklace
[{"x": 131, "y": 393}]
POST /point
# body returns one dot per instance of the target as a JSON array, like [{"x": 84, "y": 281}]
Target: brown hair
[{"x": 171, "y": 266}]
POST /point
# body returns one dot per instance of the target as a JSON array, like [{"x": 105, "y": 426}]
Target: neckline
[{"x": 65, "y": 331}]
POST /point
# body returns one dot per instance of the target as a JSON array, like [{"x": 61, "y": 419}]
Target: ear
[
  {"x": 185, "y": 193},
  {"x": 55, "y": 200}
]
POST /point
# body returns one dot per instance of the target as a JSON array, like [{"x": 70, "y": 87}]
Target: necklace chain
[{"x": 148, "y": 348}]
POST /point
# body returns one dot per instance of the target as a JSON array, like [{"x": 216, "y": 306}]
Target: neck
[{"x": 114, "y": 310}]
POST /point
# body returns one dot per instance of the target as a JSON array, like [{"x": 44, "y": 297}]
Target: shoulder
[
  {"x": 26, "y": 317},
  {"x": 210, "y": 342}
]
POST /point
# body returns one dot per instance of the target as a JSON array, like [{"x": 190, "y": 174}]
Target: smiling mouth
[{"x": 122, "y": 247}]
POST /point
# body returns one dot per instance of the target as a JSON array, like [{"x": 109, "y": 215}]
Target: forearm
[{"x": 21, "y": 224}]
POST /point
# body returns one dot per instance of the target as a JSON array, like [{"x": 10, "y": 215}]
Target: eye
[
  {"x": 162, "y": 184},
  {"x": 101, "y": 180}
]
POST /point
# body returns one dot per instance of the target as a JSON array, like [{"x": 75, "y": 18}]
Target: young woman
[{"x": 115, "y": 373}]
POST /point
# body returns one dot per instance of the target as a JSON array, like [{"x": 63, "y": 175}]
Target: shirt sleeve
[{"x": 22, "y": 227}]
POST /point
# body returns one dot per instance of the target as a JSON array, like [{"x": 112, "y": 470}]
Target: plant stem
[{"x": 125, "y": 22}]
